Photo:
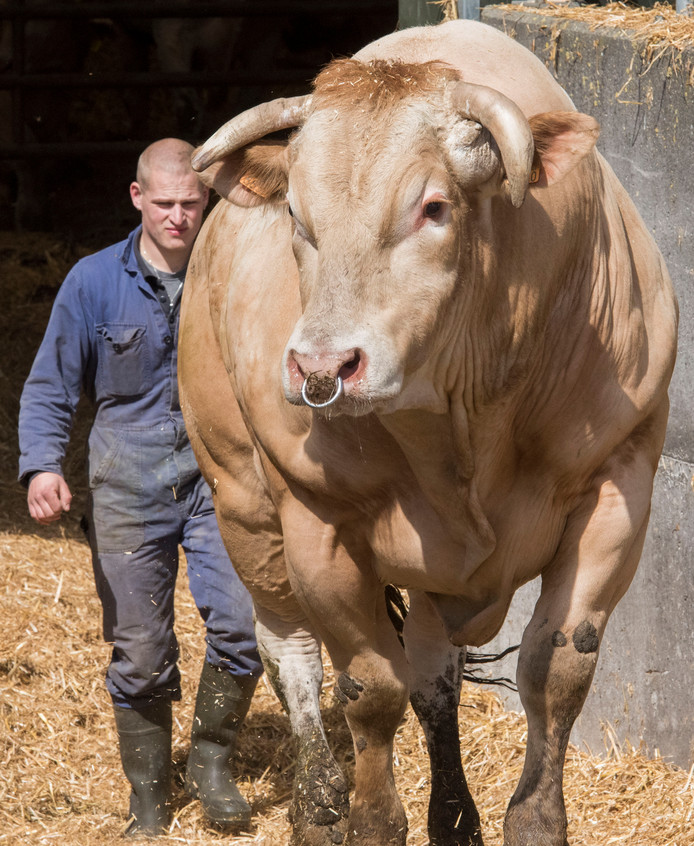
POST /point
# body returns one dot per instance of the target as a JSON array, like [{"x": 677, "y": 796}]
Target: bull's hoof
[
  {"x": 377, "y": 830},
  {"x": 326, "y": 827},
  {"x": 535, "y": 822},
  {"x": 321, "y": 799},
  {"x": 460, "y": 833},
  {"x": 453, "y": 817},
  {"x": 322, "y": 835}
]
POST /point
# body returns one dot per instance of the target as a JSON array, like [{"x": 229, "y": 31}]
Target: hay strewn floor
[{"x": 60, "y": 776}]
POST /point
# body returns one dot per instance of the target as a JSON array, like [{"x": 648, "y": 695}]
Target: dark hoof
[{"x": 321, "y": 803}]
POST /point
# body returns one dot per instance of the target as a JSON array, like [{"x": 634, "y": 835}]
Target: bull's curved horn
[
  {"x": 509, "y": 127},
  {"x": 251, "y": 125}
]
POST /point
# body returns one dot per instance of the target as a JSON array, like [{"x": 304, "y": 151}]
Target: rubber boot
[
  {"x": 145, "y": 751},
  {"x": 222, "y": 704}
]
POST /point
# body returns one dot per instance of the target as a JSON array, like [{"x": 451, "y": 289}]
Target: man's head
[{"x": 171, "y": 199}]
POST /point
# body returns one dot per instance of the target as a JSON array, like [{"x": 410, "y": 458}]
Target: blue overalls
[{"x": 109, "y": 336}]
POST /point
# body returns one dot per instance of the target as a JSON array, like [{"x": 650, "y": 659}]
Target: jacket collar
[{"x": 128, "y": 256}]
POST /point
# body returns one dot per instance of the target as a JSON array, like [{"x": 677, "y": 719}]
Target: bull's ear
[
  {"x": 562, "y": 140},
  {"x": 252, "y": 176}
]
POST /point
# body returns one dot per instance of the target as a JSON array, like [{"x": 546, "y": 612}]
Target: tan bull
[{"x": 425, "y": 343}]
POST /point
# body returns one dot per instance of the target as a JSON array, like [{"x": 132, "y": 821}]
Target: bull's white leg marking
[
  {"x": 330, "y": 401},
  {"x": 292, "y": 657}
]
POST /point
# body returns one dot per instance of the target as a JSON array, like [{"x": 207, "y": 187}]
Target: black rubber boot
[
  {"x": 145, "y": 751},
  {"x": 221, "y": 707}
]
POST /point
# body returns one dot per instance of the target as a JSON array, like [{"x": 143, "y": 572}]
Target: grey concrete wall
[{"x": 642, "y": 690}]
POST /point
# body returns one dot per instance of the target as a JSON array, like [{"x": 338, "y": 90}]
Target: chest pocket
[{"x": 125, "y": 368}]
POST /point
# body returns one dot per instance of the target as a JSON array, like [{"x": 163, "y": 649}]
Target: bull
[{"x": 425, "y": 342}]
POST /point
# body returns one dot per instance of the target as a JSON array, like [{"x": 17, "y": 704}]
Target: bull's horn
[
  {"x": 251, "y": 125},
  {"x": 509, "y": 127}
]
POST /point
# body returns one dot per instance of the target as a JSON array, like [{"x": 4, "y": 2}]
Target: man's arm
[{"x": 49, "y": 400}]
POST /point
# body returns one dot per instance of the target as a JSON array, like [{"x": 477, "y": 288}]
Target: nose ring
[{"x": 336, "y": 393}]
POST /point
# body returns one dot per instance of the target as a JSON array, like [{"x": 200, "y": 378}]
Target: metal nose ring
[{"x": 330, "y": 401}]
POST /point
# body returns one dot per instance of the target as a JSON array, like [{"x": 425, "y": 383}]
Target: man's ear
[
  {"x": 136, "y": 195},
  {"x": 562, "y": 140},
  {"x": 252, "y": 176}
]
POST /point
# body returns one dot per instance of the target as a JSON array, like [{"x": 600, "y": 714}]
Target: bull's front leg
[
  {"x": 291, "y": 654},
  {"x": 347, "y": 607},
  {"x": 554, "y": 678},
  {"x": 592, "y": 569},
  {"x": 373, "y": 691},
  {"x": 436, "y": 672}
]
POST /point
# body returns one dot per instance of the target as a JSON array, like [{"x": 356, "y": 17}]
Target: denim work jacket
[{"x": 108, "y": 335}]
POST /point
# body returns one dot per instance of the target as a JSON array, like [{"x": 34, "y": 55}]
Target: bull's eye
[
  {"x": 433, "y": 209},
  {"x": 289, "y": 209},
  {"x": 300, "y": 230}
]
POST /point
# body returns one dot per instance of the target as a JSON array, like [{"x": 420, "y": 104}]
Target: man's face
[{"x": 172, "y": 205}]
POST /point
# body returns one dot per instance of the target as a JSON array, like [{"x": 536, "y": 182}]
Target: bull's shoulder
[{"x": 241, "y": 253}]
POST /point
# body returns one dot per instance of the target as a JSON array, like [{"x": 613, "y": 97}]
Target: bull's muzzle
[{"x": 321, "y": 391}]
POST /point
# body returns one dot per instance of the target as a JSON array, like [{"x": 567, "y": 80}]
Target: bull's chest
[
  {"x": 477, "y": 550},
  {"x": 410, "y": 515}
]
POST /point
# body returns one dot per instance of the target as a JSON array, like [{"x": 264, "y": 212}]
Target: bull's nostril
[
  {"x": 295, "y": 366},
  {"x": 349, "y": 368}
]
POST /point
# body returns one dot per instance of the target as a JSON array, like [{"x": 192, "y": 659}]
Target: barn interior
[{"x": 85, "y": 86}]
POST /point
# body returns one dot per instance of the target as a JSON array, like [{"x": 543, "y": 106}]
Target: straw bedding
[
  {"x": 60, "y": 775},
  {"x": 656, "y": 30}
]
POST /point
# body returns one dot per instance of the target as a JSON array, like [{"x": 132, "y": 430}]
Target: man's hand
[{"x": 48, "y": 497}]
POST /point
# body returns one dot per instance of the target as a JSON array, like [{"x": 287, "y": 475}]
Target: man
[{"x": 113, "y": 332}]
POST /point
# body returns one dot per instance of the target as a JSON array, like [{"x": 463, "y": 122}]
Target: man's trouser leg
[{"x": 136, "y": 592}]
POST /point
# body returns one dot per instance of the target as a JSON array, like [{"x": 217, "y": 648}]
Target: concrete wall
[{"x": 642, "y": 687}]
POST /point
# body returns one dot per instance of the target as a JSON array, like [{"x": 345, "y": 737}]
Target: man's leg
[
  {"x": 144, "y": 737},
  {"x": 136, "y": 591},
  {"x": 231, "y": 670}
]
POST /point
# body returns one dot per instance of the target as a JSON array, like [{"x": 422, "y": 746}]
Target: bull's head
[{"x": 391, "y": 165}]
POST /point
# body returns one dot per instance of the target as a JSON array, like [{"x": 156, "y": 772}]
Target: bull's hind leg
[
  {"x": 436, "y": 672},
  {"x": 593, "y": 567},
  {"x": 291, "y": 654}
]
